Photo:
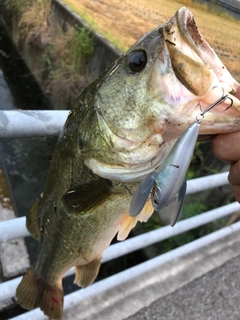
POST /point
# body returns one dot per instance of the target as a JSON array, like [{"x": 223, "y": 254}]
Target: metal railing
[{"x": 15, "y": 124}]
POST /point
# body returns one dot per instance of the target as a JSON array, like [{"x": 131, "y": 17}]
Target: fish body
[{"x": 121, "y": 129}]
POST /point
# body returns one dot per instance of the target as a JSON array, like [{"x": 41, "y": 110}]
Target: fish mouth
[{"x": 199, "y": 69}]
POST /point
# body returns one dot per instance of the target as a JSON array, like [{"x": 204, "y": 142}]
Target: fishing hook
[{"x": 217, "y": 102}]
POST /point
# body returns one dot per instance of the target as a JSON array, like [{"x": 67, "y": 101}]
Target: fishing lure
[{"x": 168, "y": 181}]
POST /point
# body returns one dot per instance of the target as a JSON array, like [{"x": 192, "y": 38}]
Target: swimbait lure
[{"x": 168, "y": 181}]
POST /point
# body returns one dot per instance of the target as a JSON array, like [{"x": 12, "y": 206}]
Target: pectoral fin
[
  {"x": 178, "y": 204},
  {"x": 147, "y": 211},
  {"x": 142, "y": 194},
  {"x": 128, "y": 222},
  {"x": 86, "y": 196},
  {"x": 126, "y": 225}
]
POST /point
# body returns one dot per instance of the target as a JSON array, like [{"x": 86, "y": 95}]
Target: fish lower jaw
[{"x": 130, "y": 173}]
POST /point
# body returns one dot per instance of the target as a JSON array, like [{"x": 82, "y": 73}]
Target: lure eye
[
  {"x": 137, "y": 61},
  {"x": 156, "y": 195},
  {"x": 155, "y": 201}
]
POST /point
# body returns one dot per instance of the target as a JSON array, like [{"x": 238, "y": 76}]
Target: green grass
[
  {"x": 80, "y": 48},
  {"x": 93, "y": 25}
]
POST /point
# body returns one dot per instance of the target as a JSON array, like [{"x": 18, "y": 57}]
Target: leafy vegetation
[{"x": 80, "y": 48}]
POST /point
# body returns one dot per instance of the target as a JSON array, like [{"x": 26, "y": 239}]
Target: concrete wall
[{"x": 104, "y": 53}]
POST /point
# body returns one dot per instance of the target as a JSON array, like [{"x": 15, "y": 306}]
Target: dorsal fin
[{"x": 33, "y": 220}]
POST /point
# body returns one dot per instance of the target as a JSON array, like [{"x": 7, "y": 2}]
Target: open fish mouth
[{"x": 198, "y": 68}]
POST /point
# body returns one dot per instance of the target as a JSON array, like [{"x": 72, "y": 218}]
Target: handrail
[
  {"x": 207, "y": 182},
  {"x": 7, "y": 289},
  {"x": 15, "y": 228},
  {"x": 28, "y": 123},
  {"x": 79, "y": 296},
  {"x": 17, "y": 124}
]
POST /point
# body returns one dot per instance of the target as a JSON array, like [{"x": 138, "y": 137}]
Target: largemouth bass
[{"x": 120, "y": 130}]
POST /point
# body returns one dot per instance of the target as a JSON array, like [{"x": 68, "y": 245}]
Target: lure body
[{"x": 168, "y": 181}]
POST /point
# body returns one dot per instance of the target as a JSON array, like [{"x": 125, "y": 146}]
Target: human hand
[{"x": 226, "y": 147}]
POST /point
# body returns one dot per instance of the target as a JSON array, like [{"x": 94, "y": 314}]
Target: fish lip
[
  {"x": 189, "y": 29},
  {"x": 182, "y": 32},
  {"x": 189, "y": 52}
]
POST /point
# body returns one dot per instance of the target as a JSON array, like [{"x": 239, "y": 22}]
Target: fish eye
[{"x": 137, "y": 60}]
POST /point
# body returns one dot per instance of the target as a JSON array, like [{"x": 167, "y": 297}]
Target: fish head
[
  {"x": 202, "y": 79},
  {"x": 167, "y": 78},
  {"x": 157, "y": 89}
]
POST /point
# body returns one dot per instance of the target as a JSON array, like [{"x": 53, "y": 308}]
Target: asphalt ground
[{"x": 214, "y": 296}]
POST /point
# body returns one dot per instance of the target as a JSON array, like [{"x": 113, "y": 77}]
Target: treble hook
[
  {"x": 217, "y": 102},
  {"x": 230, "y": 103}
]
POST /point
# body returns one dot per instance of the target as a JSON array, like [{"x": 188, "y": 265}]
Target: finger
[
  {"x": 226, "y": 147},
  {"x": 236, "y": 192},
  {"x": 234, "y": 173}
]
